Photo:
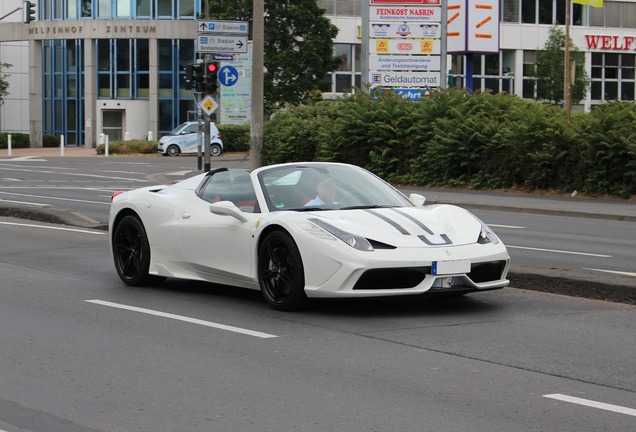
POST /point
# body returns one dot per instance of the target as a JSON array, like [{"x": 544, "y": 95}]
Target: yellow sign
[{"x": 208, "y": 105}]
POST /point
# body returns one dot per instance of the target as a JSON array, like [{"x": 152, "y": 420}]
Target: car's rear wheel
[
  {"x": 280, "y": 272},
  {"x": 131, "y": 252},
  {"x": 215, "y": 150},
  {"x": 173, "y": 150}
]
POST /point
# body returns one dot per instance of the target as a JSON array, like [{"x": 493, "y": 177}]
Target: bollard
[
  {"x": 106, "y": 145},
  {"x": 149, "y": 135},
  {"x": 61, "y": 145},
  {"x": 9, "y": 144},
  {"x": 126, "y": 136}
]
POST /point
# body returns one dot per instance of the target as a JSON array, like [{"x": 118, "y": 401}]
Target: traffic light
[
  {"x": 28, "y": 11},
  {"x": 211, "y": 77},
  {"x": 194, "y": 77}
]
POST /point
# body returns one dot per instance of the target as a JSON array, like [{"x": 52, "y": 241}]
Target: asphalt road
[
  {"x": 561, "y": 244},
  {"x": 81, "y": 352}
]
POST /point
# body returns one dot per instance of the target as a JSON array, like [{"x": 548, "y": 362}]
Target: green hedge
[
  {"x": 459, "y": 139},
  {"x": 236, "y": 138},
  {"x": 128, "y": 147},
  {"x": 18, "y": 140}
]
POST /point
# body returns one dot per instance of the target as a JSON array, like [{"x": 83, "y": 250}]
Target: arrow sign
[
  {"x": 222, "y": 26},
  {"x": 221, "y": 44},
  {"x": 228, "y": 76}
]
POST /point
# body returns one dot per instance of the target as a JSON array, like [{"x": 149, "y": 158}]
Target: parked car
[
  {"x": 266, "y": 230},
  {"x": 184, "y": 139}
]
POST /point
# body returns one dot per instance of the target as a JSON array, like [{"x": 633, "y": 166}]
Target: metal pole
[
  {"x": 258, "y": 45},
  {"x": 567, "y": 91},
  {"x": 444, "y": 46}
]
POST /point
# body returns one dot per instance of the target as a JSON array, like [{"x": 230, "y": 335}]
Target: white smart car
[{"x": 183, "y": 139}]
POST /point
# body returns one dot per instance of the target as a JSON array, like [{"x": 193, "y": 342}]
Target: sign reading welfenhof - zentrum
[{"x": 404, "y": 44}]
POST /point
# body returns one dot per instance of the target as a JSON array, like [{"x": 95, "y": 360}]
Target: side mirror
[
  {"x": 417, "y": 199},
  {"x": 227, "y": 208}
]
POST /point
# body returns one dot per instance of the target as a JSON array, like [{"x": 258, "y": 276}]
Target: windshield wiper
[
  {"x": 374, "y": 206},
  {"x": 303, "y": 209}
]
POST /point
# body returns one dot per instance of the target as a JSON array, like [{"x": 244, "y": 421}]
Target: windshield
[
  {"x": 326, "y": 186},
  {"x": 177, "y": 130}
]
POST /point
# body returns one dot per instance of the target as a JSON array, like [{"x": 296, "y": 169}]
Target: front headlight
[
  {"x": 355, "y": 241},
  {"x": 486, "y": 235}
]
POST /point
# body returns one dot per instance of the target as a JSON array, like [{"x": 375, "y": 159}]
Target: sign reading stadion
[{"x": 409, "y": 79}]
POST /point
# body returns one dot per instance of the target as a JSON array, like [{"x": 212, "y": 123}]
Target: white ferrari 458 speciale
[{"x": 302, "y": 230}]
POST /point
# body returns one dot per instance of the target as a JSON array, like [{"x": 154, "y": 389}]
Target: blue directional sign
[{"x": 228, "y": 76}]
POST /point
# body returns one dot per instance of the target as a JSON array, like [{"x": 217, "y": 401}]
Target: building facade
[{"x": 88, "y": 67}]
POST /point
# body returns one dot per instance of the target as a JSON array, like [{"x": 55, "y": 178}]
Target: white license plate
[{"x": 450, "y": 267}]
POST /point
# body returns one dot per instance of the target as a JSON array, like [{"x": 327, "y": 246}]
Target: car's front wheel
[
  {"x": 173, "y": 150},
  {"x": 215, "y": 150},
  {"x": 131, "y": 252},
  {"x": 280, "y": 272}
]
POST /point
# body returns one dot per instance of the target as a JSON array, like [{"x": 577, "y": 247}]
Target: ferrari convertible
[{"x": 302, "y": 230}]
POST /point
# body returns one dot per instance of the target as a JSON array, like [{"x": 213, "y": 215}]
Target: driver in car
[{"x": 326, "y": 194}]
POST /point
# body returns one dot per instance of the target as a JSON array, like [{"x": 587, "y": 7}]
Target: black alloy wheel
[
  {"x": 280, "y": 272},
  {"x": 131, "y": 252}
]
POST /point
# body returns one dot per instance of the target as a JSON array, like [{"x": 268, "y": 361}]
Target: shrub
[
  {"x": 50, "y": 141},
  {"x": 236, "y": 138},
  {"x": 18, "y": 140},
  {"x": 128, "y": 147}
]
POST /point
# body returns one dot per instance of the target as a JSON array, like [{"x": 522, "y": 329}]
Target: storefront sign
[
  {"x": 405, "y": 30},
  {"x": 410, "y": 46},
  {"x": 401, "y": 79},
  {"x": 611, "y": 43},
  {"x": 401, "y": 62},
  {"x": 414, "y": 13}
]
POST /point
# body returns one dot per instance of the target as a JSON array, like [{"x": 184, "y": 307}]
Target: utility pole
[
  {"x": 258, "y": 46},
  {"x": 567, "y": 85}
]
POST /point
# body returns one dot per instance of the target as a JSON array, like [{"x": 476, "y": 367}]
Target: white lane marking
[
  {"x": 593, "y": 404},
  {"x": 55, "y": 198},
  {"x": 100, "y": 176},
  {"x": 612, "y": 271},
  {"x": 25, "y": 159},
  {"x": 24, "y": 202},
  {"x": 506, "y": 226},
  {"x": 185, "y": 319},
  {"x": 559, "y": 251},
  {"x": 96, "y": 232}
]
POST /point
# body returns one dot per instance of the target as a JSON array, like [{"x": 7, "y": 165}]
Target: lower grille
[{"x": 392, "y": 278}]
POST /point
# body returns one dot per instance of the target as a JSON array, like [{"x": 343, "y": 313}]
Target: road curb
[{"x": 51, "y": 215}]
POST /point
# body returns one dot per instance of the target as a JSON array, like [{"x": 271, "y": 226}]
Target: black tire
[
  {"x": 215, "y": 150},
  {"x": 131, "y": 252},
  {"x": 173, "y": 150},
  {"x": 281, "y": 275}
]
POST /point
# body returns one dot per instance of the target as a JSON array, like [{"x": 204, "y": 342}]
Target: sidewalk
[{"x": 70, "y": 151}]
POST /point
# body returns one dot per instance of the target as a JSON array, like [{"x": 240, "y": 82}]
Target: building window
[
  {"x": 529, "y": 82},
  {"x": 347, "y": 75},
  {"x": 546, "y": 12},
  {"x": 613, "y": 77},
  {"x": 62, "y": 89}
]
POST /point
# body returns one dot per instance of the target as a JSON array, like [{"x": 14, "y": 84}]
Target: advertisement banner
[
  {"x": 411, "y": 46},
  {"x": 405, "y": 13},
  {"x": 400, "y": 62},
  {"x": 405, "y": 30}
]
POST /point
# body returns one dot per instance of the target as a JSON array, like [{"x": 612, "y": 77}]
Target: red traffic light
[{"x": 212, "y": 67}]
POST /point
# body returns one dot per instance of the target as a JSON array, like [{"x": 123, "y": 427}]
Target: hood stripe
[
  {"x": 415, "y": 221},
  {"x": 391, "y": 222}
]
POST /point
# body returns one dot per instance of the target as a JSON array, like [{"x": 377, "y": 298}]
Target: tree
[
  {"x": 4, "y": 84},
  {"x": 298, "y": 46},
  {"x": 550, "y": 67}
]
